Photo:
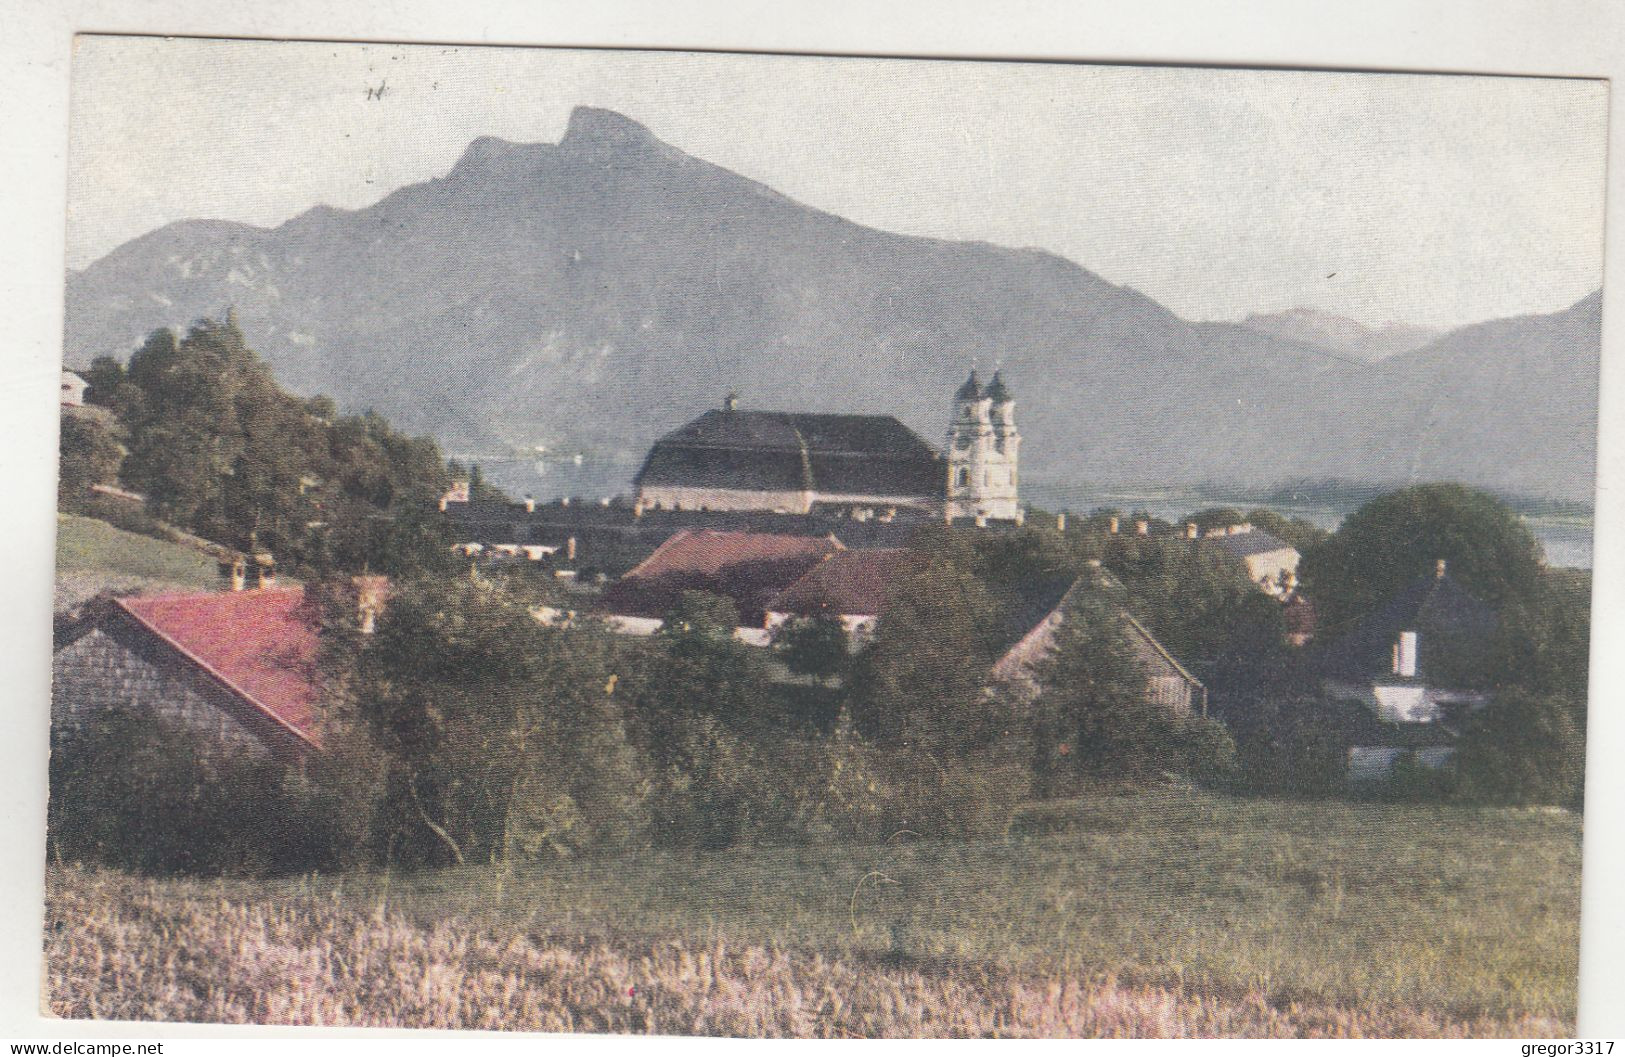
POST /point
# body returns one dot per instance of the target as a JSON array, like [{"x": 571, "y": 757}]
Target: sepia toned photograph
[{"x": 677, "y": 543}]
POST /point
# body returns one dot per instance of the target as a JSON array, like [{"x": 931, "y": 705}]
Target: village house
[
  {"x": 851, "y": 586},
  {"x": 1168, "y": 683},
  {"x": 1269, "y": 563},
  {"x": 774, "y": 579},
  {"x": 1393, "y": 664},
  {"x": 750, "y": 569},
  {"x": 237, "y": 666}
]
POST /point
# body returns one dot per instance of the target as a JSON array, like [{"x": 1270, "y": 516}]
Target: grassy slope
[
  {"x": 87, "y": 545},
  {"x": 1229, "y": 916}
]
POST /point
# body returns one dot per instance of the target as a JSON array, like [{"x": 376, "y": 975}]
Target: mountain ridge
[
  {"x": 1342, "y": 335},
  {"x": 596, "y": 292}
]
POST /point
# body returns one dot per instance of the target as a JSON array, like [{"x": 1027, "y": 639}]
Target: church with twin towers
[{"x": 868, "y": 466}]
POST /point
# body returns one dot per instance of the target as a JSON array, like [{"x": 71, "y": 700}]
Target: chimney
[
  {"x": 458, "y": 494},
  {"x": 730, "y": 402},
  {"x": 1405, "y": 655},
  {"x": 603, "y": 501},
  {"x": 564, "y": 501},
  {"x": 570, "y": 549},
  {"x": 1439, "y": 569},
  {"x": 1142, "y": 528},
  {"x": 1190, "y": 530},
  {"x": 234, "y": 573},
  {"x": 981, "y": 521},
  {"x": 1060, "y": 522},
  {"x": 370, "y": 592},
  {"x": 1111, "y": 524},
  {"x": 265, "y": 575},
  {"x": 530, "y": 504}
]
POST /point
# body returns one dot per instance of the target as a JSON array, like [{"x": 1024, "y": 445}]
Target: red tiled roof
[
  {"x": 748, "y": 567},
  {"x": 259, "y": 645},
  {"x": 853, "y": 583}
]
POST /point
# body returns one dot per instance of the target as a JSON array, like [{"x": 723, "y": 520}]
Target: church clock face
[{"x": 962, "y": 443}]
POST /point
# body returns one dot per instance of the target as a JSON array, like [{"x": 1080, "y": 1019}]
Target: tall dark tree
[
  {"x": 1205, "y": 612},
  {"x": 1095, "y": 719},
  {"x": 699, "y": 670},
  {"x": 103, "y": 379},
  {"x": 814, "y": 646},
  {"x": 1396, "y": 538},
  {"x": 1523, "y": 748},
  {"x": 919, "y": 683},
  {"x": 90, "y": 454}
]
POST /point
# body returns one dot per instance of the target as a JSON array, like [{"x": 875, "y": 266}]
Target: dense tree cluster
[
  {"x": 220, "y": 449},
  {"x": 501, "y": 737},
  {"x": 1092, "y": 719},
  {"x": 1397, "y": 538}
]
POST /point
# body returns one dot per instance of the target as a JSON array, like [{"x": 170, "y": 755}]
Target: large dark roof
[
  {"x": 793, "y": 451},
  {"x": 749, "y": 568},
  {"x": 1435, "y": 607},
  {"x": 849, "y": 583}
]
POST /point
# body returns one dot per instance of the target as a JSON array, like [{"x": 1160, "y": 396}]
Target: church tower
[{"x": 983, "y": 445}]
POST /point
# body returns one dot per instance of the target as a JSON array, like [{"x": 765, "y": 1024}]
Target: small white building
[
  {"x": 73, "y": 389},
  {"x": 1270, "y": 564},
  {"x": 1390, "y": 664}
]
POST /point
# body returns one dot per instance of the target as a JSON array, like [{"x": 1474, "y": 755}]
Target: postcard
[{"x": 679, "y": 543}]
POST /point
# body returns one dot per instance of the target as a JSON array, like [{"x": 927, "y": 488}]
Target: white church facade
[{"x": 984, "y": 449}]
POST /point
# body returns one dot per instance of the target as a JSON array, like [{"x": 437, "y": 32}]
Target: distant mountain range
[
  {"x": 595, "y": 293},
  {"x": 1341, "y": 335}
]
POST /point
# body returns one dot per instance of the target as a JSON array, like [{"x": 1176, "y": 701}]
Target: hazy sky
[{"x": 1427, "y": 199}]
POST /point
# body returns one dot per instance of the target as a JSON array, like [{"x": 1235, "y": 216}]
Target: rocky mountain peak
[{"x": 595, "y": 126}]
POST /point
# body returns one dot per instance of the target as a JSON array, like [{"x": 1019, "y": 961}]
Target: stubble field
[{"x": 1167, "y": 914}]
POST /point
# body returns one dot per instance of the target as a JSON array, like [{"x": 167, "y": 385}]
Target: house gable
[{"x": 238, "y": 665}]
